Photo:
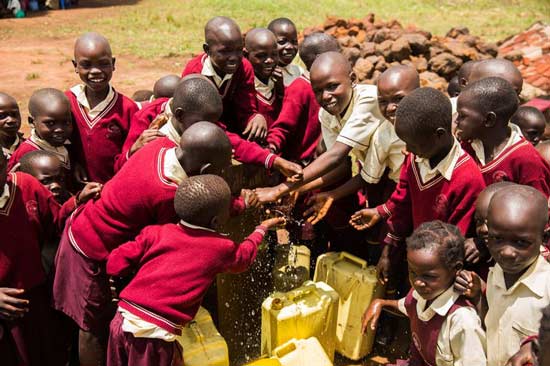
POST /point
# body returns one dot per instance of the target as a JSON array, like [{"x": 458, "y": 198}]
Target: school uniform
[
  {"x": 514, "y": 313},
  {"x": 448, "y": 332},
  {"x": 100, "y": 131},
  {"x": 291, "y": 72},
  {"x": 447, "y": 192},
  {"x": 268, "y": 102},
  {"x": 296, "y": 131},
  {"x": 8, "y": 151},
  {"x": 518, "y": 162},
  {"x": 237, "y": 91},
  {"x": 34, "y": 143}
]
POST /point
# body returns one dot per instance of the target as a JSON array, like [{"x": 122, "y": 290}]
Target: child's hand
[
  {"x": 472, "y": 254},
  {"x": 383, "y": 269},
  {"x": 319, "y": 204},
  {"x": 289, "y": 169},
  {"x": 256, "y": 128},
  {"x": 522, "y": 357},
  {"x": 11, "y": 306},
  {"x": 250, "y": 198},
  {"x": 371, "y": 315},
  {"x": 469, "y": 284},
  {"x": 146, "y": 136},
  {"x": 269, "y": 223},
  {"x": 277, "y": 78},
  {"x": 80, "y": 174},
  {"x": 90, "y": 191},
  {"x": 268, "y": 194},
  {"x": 365, "y": 218}
]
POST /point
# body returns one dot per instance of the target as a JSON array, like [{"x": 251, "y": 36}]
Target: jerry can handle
[
  {"x": 285, "y": 349},
  {"x": 196, "y": 329},
  {"x": 354, "y": 259},
  {"x": 299, "y": 293}
]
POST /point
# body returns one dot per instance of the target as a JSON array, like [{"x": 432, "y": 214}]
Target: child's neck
[
  {"x": 7, "y": 140},
  {"x": 95, "y": 97},
  {"x": 510, "y": 279},
  {"x": 494, "y": 142},
  {"x": 347, "y": 106},
  {"x": 436, "y": 159},
  {"x": 220, "y": 73},
  {"x": 263, "y": 79}
]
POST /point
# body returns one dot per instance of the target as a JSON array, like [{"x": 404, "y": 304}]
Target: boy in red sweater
[
  {"x": 501, "y": 152},
  {"x": 151, "y": 310},
  {"x": 532, "y": 123},
  {"x": 222, "y": 62},
  {"x": 287, "y": 45},
  {"x": 10, "y": 123},
  {"x": 102, "y": 115},
  {"x": 50, "y": 117},
  {"x": 81, "y": 288},
  {"x": 439, "y": 181},
  {"x": 261, "y": 51}
]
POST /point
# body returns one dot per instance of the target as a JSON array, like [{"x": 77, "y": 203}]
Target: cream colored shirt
[
  {"x": 445, "y": 167},
  {"x": 172, "y": 167},
  {"x": 80, "y": 93},
  {"x": 454, "y": 104},
  {"x": 208, "y": 70},
  {"x": 357, "y": 126},
  {"x": 461, "y": 341},
  {"x": 10, "y": 150},
  {"x": 290, "y": 73},
  {"x": 515, "y": 136},
  {"x": 143, "y": 329},
  {"x": 514, "y": 313},
  {"x": 170, "y": 131},
  {"x": 385, "y": 151},
  {"x": 266, "y": 90},
  {"x": 5, "y": 196},
  {"x": 61, "y": 151}
]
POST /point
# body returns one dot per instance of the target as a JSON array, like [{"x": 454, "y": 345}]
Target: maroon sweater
[
  {"x": 176, "y": 265},
  {"x": 98, "y": 142},
  {"x": 297, "y": 130},
  {"x": 30, "y": 217},
  {"x": 413, "y": 202},
  {"x": 238, "y": 94},
  {"x": 269, "y": 108},
  {"x": 24, "y": 148}
]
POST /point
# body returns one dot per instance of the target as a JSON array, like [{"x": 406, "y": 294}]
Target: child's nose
[{"x": 508, "y": 252}]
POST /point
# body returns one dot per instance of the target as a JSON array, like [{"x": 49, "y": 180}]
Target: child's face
[
  {"x": 264, "y": 57},
  {"x": 469, "y": 121},
  {"x": 532, "y": 128},
  {"x": 429, "y": 276},
  {"x": 54, "y": 124},
  {"x": 333, "y": 90},
  {"x": 94, "y": 65},
  {"x": 226, "y": 55},
  {"x": 10, "y": 118},
  {"x": 49, "y": 172},
  {"x": 480, "y": 216},
  {"x": 389, "y": 97},
  {"x": 287, "y": 43},
  {"x": 422, "y": 145}
]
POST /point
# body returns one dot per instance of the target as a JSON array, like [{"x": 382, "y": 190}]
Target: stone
[
  {"x": 368, "y": 49},
  {"x": 400, "y": 50},
  {"x": 384, "y": 49},
  {"x": 363, "y": 69},
  {"x": 352, "y": 54},
  {"x": 445, "y": 64},
  {"x": 418, "y": 42}
]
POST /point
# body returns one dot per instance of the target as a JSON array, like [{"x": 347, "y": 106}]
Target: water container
[
  {"x": 202, "y": 344},
  {"x": 293, "y": 255},
  {"x": 357, "y": 285},
  {"x": 308, "y": 311},
  {"x": 302, "y": 352},
  {"x": 289, "y": 277}
]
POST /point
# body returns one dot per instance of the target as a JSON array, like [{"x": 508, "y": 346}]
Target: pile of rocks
[{"x": 373, "y": 45}]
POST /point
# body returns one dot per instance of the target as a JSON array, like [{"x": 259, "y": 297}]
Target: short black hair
[
  {"x": 526, "y": 112},
  {"x": 440, "y": 236},
  {"x": 316, "y": 44},
  {"x": 196, "y": 94},
  {"x": 26, "y": 162},
  {"x": 424, "y": 111},
  {"x": 279, "y": 21},
  {"x": 493, "y": 94},
  {"x": 200, "y": 198},
  {"x": 46, "y": 95}
]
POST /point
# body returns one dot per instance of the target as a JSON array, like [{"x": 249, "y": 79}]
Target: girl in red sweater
[
  {"x": 175, "y": 264},
  {"x": 10, "y": 122}
]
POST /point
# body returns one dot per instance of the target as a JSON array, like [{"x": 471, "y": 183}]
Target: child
[
  {"x": 222, "y": 62},
  {"x": 287, "y": 44},
  {"x": 149, "y": 181},
  {"x": 497, "y": 67},
  {"x": 439, "y": 181},
  {"x": 517, "y": 288},
  {"x": 102, "y": 115},
  {"x": 542, "y": 351},
  {"x": 501, "y": 152},
  {"x": 142, "y": 97},
  {"x": 532, "y": 123},
  {"x": 261, "y": 51},
  {"x": 445, "y": 327},
  {"x": 453, "y": 88},
  {"x": 10, "y": 123},
  {"x": 464, "y": 73},
  {"x": 50, "y": 117},
  {"x": 151, "y": 310},
  {"x": 166, "y": 86}
]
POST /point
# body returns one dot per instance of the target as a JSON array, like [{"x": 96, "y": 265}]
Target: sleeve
[
  {"x": 246, "y": 251},
  {"x": 535, "y": 172},
  {"x": 401, "y": 306},
  {"x": 130, "y": 112},
  {"x": 329, "y": 136},
  {"x": 467, "y": 338},
  {"x": 248, "y": 152},
  {"x": 288, "y": 119},
  {"x": 238, "y": 206},
  {"x": 50, "y": 217},
  {"x": 17, "y": 155},
  {"x": 126, "y": 257},
  {"x": 244, "y": 98},
  {"x": 463, "y": 209},
  {"x": 374, "y": 165}
]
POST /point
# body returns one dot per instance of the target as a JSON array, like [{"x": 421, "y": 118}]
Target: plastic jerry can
[
  {"x": 308, "y": 311},
  {"x": 302, "y": 352},
  {"x": 202, "y": 343},
  {"x": 264, "y": 362},
  {"x": 357, "y": 285}
]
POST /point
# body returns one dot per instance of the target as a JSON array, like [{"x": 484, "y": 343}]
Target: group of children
[{"x": 113, "y": 194}]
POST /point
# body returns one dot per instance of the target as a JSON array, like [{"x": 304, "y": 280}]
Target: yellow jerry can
[
  {"x": 356, "y": 285},
  {"x": 202, "y": 343},
  {"x": 264, "y": 362},
  {"x": 301, "y": 352},
  {"x": 307, "y": 311}
]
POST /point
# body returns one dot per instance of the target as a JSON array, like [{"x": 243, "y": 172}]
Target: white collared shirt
[
  {"x": 170, "y": 131},
  {"x": 291, "y": 72},
  {"x": 514, "y": 313},
  {"x": 461, "y": 340},
  {"x": 61, "y": 151},
  {"x": 208, "y": 70},
  {"x": 445, "y": 167},
  {"x": 358, "y": 124},
  {"x": 80, "y": 93},
  {"x": 172, "y": 167},
  {"x": 143, "y": 329},
  {"x": 266, "y": 90},
  {"x": 515, "y": 136},
  {"x": 5, "y": 196}
]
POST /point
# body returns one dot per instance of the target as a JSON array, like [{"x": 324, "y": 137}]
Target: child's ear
[
  {"x": 204, "y": 169},
  {"x": 31, "y": 120},
  {"x": 74, "y": 65},
  {"x": 490, "y": 119},
  {"x": 245, "y": 52},
  {"x": 459, "y": 266},
  {"x": 179, "y": 114},
  {"x": 440, "y": 132},
  {"x": 462, "y": 82},
  {"x": 215, "y": 222},
  {"x": 353, "y": 77},
  {"x": 206, "y": 48},
  {"x": 114, "y": 62}
]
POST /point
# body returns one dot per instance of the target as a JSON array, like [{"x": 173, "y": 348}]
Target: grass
[{"x": 153, "y": 28}]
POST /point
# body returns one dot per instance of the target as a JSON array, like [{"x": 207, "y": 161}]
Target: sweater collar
[
  {"x": 80, "y": 93},
  {"x": 60, "y": 151},
  {"x": 5, "y": 196},
  {"x": 515, "y": 136},
  {"x": 208, "y": 70}
]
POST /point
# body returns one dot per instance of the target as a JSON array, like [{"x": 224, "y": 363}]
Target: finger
[
  {"x": 15, "y": 301},
  {"x": 247, "y": 129},
  {"x": 475, "y": 259},
  {"x": 15, "y": 310},
  {"x": 462, "y": 282},
  {"x": 12, "y": 291}
]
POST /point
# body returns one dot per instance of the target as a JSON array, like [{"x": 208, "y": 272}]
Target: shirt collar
[
  {"x": 191, "y": 226},
  {"x": 80, "y": 93},
  {"x": 208, "y": 70},
  {"x": 266, "y": 90},
  {"x": 170, "y": 131},
  {"x": 8, "y": 151},
  {"x": 172, "y": 168},
  {"x": 290, "y": 73},
  {"x": 445, "y": 167},
  {"x": 440, "y": 305},
  {"x": 534, "y": 278},
  {"x": 5, "y": 196},
  {"x": 61, "y": 151},
  {"x": 337, "y": 122},
  {"x": 515, "y": 136}
]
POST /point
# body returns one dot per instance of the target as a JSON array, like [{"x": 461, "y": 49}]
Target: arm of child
[
  {"x": 288, "y": 120},
  {"x": 523, "y": 357},
  {"x": 124, "y": 259},
  {"x": 372, "y": 314},
  {"x": 469, "y": 284}
]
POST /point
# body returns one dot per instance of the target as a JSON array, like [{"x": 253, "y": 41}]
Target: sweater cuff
[
  {"x": 392, "y": 240},
  {"x": 383, "y": 211},
  {"x": 529, "y": 340},
  {"x": 269, "y": 160},
  {"x": 262, "y": 229}
]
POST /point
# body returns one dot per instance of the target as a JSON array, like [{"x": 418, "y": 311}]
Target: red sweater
[
  {"x": 176, "y": 266},
  {"x": 269, "y": 108},
  {"x": 520, "y": 163},
  {"x": 238, "y": 94},
  {"x": 30, "y": 217},
  {"x": 297, "y": 130},
  {"x": 23, "y": 149},
  {"x": 413, "y": 202},
  {"x": 98, "y": 142}
]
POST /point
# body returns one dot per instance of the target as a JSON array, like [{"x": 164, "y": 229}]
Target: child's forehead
[
  {"x": 7, "y": 102},
  {"x": 425, "y": 258},
  {"x": 284, "y": 29},
  {"x": 92, "y": 49}
]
